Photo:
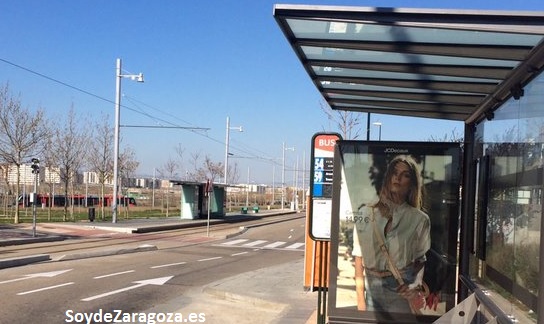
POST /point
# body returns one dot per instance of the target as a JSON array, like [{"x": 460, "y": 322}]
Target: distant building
[
  {"x": 166, "y": 184},
  {"x": 47, "y": 175},
  {"x": 142, "y": 182},
  {"x": 51, "y": 175},
  {"x": 253, "y": 188},
  {"x": 91, "y": 178}
]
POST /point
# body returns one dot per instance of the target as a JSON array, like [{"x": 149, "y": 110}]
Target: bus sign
[{"x": 321, "y": 184}]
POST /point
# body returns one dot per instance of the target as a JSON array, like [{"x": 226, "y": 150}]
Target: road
[{"x": 165, "y": 279}]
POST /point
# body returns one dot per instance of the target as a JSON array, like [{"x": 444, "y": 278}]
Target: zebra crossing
[{"x": 263, "y": 244}]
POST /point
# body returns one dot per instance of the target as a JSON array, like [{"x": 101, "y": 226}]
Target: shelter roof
[{"x": 447, "y": 64}]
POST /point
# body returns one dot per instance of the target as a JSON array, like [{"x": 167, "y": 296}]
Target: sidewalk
[{"x": 269, "y": 295}]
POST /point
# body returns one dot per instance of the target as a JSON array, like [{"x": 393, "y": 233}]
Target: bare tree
[
  {"x": 233, "y": 176},
  {"x": 207, "y": 170},
  {"x": 101, "y": 156},
  {"x": 4, "y": 171},
  {"x": 22, "y": 133},
  {"x": 180, "y": 151},
  {"x": 195, "y": 158},
  {"x": 454, "y": 136},
  {"x": 348, "y": 122},
  {"x": 69, "y": 154},
  {"x": 127, "y": 166},
  {"x": 213, "y": 170},
  {"x": 169, "y": 170},
  {"x": 233, "y": 173},
  {"x": 52, "y": 172}
]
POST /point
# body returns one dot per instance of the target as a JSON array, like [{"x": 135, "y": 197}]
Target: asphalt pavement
[{"x": 270, "y": 295}]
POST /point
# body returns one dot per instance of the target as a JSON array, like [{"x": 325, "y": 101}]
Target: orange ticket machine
[{"x": 316, "y": 261}]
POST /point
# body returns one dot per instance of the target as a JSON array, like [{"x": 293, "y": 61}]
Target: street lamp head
[
  {"x": 133, "y": 77},
  {"x": 238, "y": 128},
  {"x": 138, "y": 77},
  {"x": 377, "y": 123}
]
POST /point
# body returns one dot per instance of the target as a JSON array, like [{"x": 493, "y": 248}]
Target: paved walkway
[{"x": 269, "y": 295}]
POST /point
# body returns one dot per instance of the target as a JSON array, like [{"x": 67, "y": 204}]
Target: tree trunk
[{"x": 17, "y": 192}]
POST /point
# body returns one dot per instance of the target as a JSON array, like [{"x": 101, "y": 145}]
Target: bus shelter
[
  {"x": 194, "y": 199},
  {"x": 482, "y": 68}
]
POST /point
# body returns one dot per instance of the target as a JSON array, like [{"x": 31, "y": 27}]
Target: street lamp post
[
  {"x": 379, "y": 124},
  {"x": 247, "y": 189},
  {"x": 295, "y": 184},
  {"x": 273, "y": 184},
  {"x": 239, "y": 128},
  {"x": 283, "y": 174},
  {"x": 153, "y": 190},
  {"x": 118, "y": 76}
]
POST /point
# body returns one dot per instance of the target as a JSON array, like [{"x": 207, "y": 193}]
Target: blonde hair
[{"x": 415, "y": 194}]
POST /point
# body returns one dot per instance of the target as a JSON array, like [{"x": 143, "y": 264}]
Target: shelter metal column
[{"x": 467, "y": 210}]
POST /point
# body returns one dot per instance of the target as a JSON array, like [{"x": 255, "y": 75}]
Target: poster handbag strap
[{"x": 394, "y": 270}]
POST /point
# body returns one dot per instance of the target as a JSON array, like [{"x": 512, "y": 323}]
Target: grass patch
[{"x": 81, "y": 214}]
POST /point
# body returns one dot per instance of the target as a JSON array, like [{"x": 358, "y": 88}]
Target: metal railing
[{"x": 483, "y": 300}]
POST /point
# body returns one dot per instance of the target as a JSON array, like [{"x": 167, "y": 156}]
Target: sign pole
[
  {"x": 34, "y": 202},
  {"x": 208, "y": 190},
  {"x": 36, "y": 171},
  {"x": 208, "y": 227}
]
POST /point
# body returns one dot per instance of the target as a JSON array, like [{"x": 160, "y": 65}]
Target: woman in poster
[{"x": 390, "y": 239}]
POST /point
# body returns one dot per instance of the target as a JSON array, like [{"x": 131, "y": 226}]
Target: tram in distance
[{"x": 76, "y": 200}]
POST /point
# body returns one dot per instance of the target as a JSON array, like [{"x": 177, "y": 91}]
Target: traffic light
[{"x": 35, "y": 166}]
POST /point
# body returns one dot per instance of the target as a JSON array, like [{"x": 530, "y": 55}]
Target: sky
[{"x": 203, "y": 61}]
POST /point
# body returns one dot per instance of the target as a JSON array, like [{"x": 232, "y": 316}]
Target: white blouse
[{"x": 408, "y": 240}]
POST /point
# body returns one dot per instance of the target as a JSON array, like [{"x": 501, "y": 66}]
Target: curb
[
  {"x": 244, "y": 229},
  {"x": 94, "y": 254},
  {"x": 21, "y": 241},
  {"x": 20, "y": 261},
  {"x": 169, "y": 227},
  {"x": 125, "y": 230}
]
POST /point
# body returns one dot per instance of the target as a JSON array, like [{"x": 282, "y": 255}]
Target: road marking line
[
  {"x": 273, "y": 245},
  {"x": 140, "y": 283},
  {"x": 255, "y": 243},
  {"x": 236, "y": 254},
  {"x": 46, "y": 288},
  {"x": 208, "y": 259},
  {"x": 36, "y": 275},
  {"x": 167, "y": 265},
  {"x": 294, "y": 246},
  {"x": 238, "y": 241},
  {"x": 113, "y": 274}
]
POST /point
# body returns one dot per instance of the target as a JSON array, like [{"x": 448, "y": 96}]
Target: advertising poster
[{"x": 394, "y": 230}]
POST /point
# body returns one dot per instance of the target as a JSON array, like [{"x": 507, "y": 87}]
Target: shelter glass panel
[
  {"x": 513, "y": 140},
  {"x": 350, "y": 55},
  {"x": 338, "y": 30}
]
